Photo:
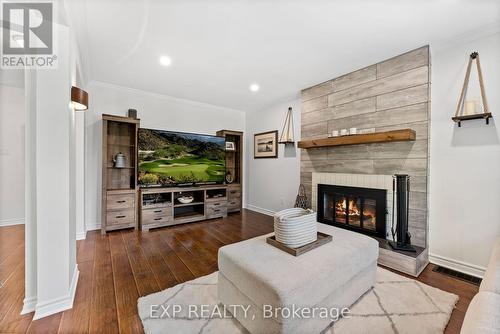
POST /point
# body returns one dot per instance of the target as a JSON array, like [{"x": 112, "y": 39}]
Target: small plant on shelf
[
  {"x": 148, "y": 179},
  {"x": 166, "y": 180}
]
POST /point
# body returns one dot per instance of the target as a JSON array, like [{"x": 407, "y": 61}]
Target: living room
[{"x": 318, "y": 167}]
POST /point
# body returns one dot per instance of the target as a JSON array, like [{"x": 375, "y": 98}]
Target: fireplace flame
[
  {"x": 353, "y": 207},
  {"x": 351, "y": 211}
]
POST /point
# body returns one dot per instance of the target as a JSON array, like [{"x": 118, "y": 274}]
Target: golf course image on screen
[{"x": 169, "y": 158}]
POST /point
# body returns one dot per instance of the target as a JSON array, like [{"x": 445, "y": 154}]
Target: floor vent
[{"x": 456, "y": 274}]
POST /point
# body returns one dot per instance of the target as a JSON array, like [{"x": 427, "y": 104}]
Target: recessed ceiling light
[
  {"x": 254, "y": 87},
  {"x": 165, "y": 60}
]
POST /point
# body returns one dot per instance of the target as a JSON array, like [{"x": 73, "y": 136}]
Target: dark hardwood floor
[{"x": 118, "y": 268}]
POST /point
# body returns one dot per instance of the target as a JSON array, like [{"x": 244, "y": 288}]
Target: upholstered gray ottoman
[{"x": 256, "y": 274}]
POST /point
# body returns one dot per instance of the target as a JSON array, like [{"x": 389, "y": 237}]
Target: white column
[
  {"x": 50, "y": 236},
  {"x": 30, "y": 293}
]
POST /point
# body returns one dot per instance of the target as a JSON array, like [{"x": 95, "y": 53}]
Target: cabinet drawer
[
  {"x": 216, "y": 200},
  {"x": 121, "y": 217},
  {"x": 151, "y": 214},
  {"x": 234, "y": 193},
  {"x": 120, "y": 201},
  {"x": 215, "y": 205},
  {"x": 155, "y": 220},
  {"x": 217, "y": 211},
  {"x": 234, "y": 205}
]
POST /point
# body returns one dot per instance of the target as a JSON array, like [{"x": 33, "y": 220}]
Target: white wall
[
  {"x": 155, "y": 111},
  {"x": 464, "y": 162},
  {"x": 12, "y": 123},
  {"x": 272, "y": 183},
  {"x": 77, "y": 137},
  {"x": 79, "y": 175}
]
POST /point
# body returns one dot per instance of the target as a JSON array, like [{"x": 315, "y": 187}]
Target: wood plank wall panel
[
  {"x": 390, "y": 95},
  {"x": 411, "y": 78},
  {"x": 404, "y": 62}
]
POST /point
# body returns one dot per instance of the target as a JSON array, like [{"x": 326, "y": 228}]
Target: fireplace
[{"x": 359, "y": 209}]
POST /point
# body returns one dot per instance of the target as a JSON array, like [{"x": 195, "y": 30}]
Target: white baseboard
[
  {"x": 10, "y": 222},
  {"x": 92, "y": 226},
  {"x": 81, "y": 235},
  {"x": 260, "y": 210},
  {"x": 460, "y": 266},
  {"x": 29, "y": 305},
  {"x": 60, "y": 304}
]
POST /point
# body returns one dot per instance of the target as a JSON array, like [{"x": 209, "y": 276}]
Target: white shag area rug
[{"x": 395, "y": 305}]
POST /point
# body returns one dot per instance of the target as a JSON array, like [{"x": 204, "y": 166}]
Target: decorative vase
[{"x": 229, "y": 178}]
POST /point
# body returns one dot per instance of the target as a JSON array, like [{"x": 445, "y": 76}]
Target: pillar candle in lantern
[{"x": 470, "y": 107}]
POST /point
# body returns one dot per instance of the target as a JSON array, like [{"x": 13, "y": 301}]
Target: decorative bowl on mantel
[{"x": 185, "y": 199}]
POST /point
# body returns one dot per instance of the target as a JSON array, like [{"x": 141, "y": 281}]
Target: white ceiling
[{"x": 218, "y": 48}]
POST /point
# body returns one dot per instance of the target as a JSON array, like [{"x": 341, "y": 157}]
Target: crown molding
[{"x": 161, "y": 96}]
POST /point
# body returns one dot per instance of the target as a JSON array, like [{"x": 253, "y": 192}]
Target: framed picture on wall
[
  {"x": 265, "y": 145},
  {"x": 230, "y": 146}
]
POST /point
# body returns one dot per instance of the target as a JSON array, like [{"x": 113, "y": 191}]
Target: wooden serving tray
[{"x": 322, "y": 239}]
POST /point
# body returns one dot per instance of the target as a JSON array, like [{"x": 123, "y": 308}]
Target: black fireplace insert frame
[{"x": 379, "y": 195}]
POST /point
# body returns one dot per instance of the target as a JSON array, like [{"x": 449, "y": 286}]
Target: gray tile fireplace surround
[{"x": 390, "y": 95}]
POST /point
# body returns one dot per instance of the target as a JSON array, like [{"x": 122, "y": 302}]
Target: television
[{"x": 168, "y": 158}]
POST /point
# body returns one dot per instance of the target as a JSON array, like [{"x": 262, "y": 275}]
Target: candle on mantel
[{"x": 470, "y": 107}]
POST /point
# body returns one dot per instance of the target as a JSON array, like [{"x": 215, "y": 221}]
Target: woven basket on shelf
[{"x": 295, "y": 227}]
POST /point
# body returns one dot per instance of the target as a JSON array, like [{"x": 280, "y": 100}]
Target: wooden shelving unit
[
  {"x": 234, "y": 163},
  {"x": 160, "y": 206},
  {"x": 188, "y": 204},
  {"x": 369, "y": 138},
  {"x": 119, "y": 185}
]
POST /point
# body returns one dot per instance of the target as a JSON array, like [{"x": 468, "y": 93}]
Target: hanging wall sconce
[
  {"x": 79, "y": 99},
  {"x": 287, "y": 132}
]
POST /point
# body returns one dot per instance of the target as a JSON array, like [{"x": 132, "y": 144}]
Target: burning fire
[
  {"x": 352, "y": 208},
  {"x": 340, "y": 207}
]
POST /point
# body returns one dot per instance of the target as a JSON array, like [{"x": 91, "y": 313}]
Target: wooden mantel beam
[{"x": 377, "y": 137}]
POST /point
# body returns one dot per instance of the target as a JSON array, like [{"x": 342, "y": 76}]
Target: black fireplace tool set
[{"x": 401, "y": 200}]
